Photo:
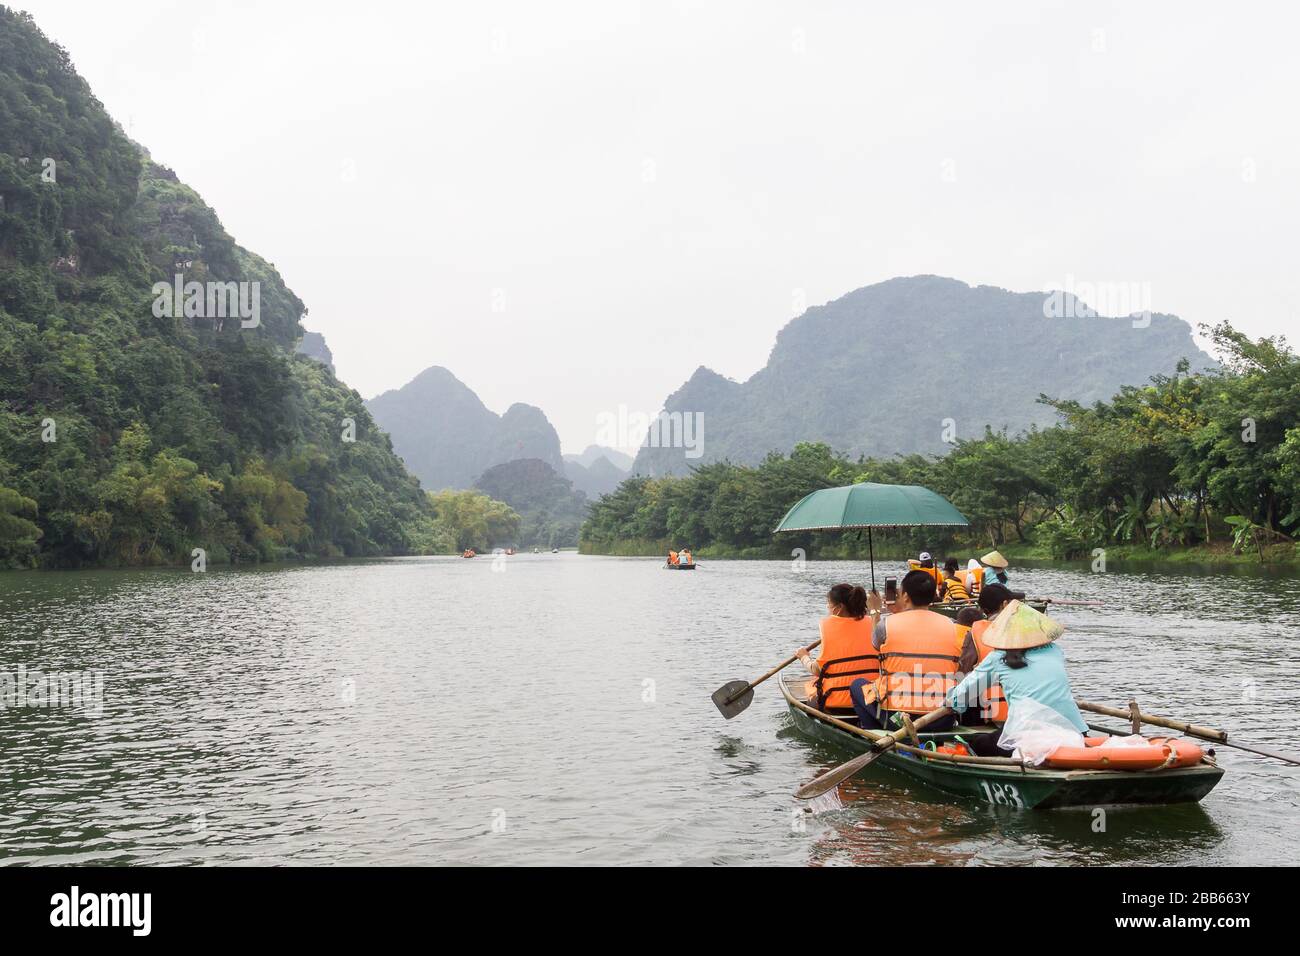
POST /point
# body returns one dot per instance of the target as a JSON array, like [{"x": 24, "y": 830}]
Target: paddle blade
[
  {"x": 733, "y": 697},
  {"x": 833, "y": 778}
]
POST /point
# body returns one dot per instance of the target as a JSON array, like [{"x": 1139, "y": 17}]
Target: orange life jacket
[
  {"x": 846, "y": 654},
  {"x": 919, "y": 661},
  {"x": 935, "y": 572},
  {"x": 973, "y": 579},
  {"x": 956, "y": 589},
  {"x": 672, "y": 557},
  {"x": 994, "y": 701}
]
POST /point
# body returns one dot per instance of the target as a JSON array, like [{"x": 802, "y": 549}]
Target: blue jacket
[{"x": 1043, "y": 679}]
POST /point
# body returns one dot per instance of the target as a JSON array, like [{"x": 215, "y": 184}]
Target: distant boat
[
  {"x": 537, "y": 550},
  {"x": 470, "y": 553},
  {"x": 555, "y": 550}
]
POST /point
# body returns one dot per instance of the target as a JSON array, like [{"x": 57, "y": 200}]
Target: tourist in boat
[
  {"x": 922, "y": 655},
  {"x": 686, "y": 556},
  {"x": 992, "y": 705},
  {"x": 967, "y": 617},
  {"x": 847, "y": 653},
  {"x": 974, "y": 577},
  {"x": 953, "y": 588},
  {"x": 992, "y": 601},
  {"x": 925, "y": 562},
  {"x": 672, "y": 558},
  {"x": 995, "y": 568},
  {"x": 1023, "y": 660}
]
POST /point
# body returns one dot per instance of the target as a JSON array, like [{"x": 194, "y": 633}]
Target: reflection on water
[{"x": 435, "y": 710}]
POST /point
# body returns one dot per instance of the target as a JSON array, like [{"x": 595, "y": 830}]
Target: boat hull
[
  {"x": 680, "y": 567},
  {"x": 1013, "y": 786}
]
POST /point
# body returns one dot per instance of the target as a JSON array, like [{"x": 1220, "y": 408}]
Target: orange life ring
[{"x": 1163, "y": 752}]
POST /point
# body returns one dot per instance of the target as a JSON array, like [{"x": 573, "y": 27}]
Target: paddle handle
[
  {"x": 923, "y": 721},
  {"x": 1192, "y": 730},
  {"x": 779, "y": 667},
  {"x": 834, "y": 777}
]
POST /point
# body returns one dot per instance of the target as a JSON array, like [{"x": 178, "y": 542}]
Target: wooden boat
[
  {"x": 1000, "y": 780},
  {"x": 680, "y": 567},
  {"x": 953, "y": 608}
]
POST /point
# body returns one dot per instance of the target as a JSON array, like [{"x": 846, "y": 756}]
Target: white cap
[{"x": 925, "y": 556}]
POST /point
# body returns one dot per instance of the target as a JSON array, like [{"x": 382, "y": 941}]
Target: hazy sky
[{"x": 576, "y": 204}]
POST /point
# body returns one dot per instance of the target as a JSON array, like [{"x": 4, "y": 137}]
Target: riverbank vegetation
[
  {"x": 471, "y": 519},
  {"x": 1206, "y": 463}
]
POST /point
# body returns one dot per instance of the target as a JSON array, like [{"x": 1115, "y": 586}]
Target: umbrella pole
[{"x": 871, "y": 551}]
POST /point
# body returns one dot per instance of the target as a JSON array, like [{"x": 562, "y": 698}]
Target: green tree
[{"x": 18, "y": 532}]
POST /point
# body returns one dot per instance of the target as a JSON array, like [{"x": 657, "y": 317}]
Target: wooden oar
[
  {"x": 833, "y": 778},
  {"x": 734, "y": 697},
  {"x": 1069, "y": 603},
  {"x": 1192, "y": 730},
  {"x": 1205, "y": 733}
]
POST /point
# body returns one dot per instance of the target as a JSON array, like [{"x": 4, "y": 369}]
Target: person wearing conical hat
[
  {"x": 995, "y": 568},
  {"x": 1025, "y": 662}
]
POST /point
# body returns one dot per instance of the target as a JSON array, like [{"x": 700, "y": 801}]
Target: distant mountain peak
[
  {"x": 598, "y": 470},
  {"x": 591, "y": 453},
  {"x": 448, "y": 438},
  {"x": 880, "y": 369}
]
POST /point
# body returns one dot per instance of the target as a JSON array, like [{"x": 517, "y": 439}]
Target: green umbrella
[{"x": 870, "y": 505}]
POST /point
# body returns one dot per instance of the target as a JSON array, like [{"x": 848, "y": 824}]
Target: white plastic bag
[{"x": 1033, "y": 731}]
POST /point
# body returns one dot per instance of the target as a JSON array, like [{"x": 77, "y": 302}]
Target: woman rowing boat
[{"x": 1024, "y": 661}]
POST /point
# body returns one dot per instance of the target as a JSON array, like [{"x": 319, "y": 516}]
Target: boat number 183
[{"x": 1002, "y": 793}]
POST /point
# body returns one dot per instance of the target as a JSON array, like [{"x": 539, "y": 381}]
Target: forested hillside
[
  {"x": 550, "y": 508},
  {"x": 131, "y": 432},
  {"x": 1191, "y": 460},
  {"x": 905, "y": 365}
]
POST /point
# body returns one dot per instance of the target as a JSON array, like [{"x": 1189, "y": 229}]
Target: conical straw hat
[
  {"x": 1020, "y": 627},
  {"x": 994, "y": 559}
]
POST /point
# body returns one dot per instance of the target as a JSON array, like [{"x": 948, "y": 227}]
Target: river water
[{"x": 555, "y": 709}]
